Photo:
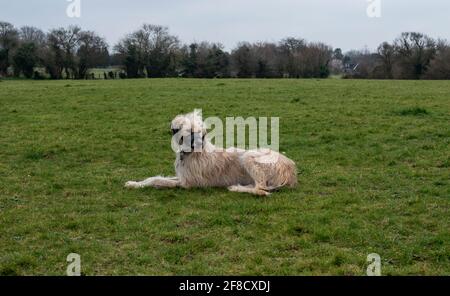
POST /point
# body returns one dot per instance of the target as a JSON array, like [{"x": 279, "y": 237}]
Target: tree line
[
  {"x": 410, "y": 56},
  {"x": 152, "y": 51}
]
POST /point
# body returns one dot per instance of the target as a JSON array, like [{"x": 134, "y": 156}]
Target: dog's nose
[{"x": 175, "y": 130}]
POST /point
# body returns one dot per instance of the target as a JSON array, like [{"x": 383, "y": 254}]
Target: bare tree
[
  {"x": 131, "y": 54},
  {"x": 29, "y": 52},
  {"x": 440, "y": 66},
  {"x": 62, "y": 47},
  {"x": 32, "y": 35},
  {"x": 9, "y": 39},
  {"x": 314, "y": 60},
  {"x": 415, "y": 51},
  {"x": 243, "y": 60},
  {"x": 150, "y": 48},
  {"x": 266, "y": 59},
  {"x": 160, "y": 50},
  {"x": 386, "y": 54},
  {"x": 290, "y": 51},
  {"x": 92, "y": 51},
  {"x": 303, "y": 59}
]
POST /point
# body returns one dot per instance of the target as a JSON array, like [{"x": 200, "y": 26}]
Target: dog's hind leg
[
  {"x": 258, "y": 175},
  {"x": 157, "y": 182}
]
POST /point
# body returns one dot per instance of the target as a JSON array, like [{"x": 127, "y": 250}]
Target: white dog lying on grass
[{"x": 201, "y": 164}]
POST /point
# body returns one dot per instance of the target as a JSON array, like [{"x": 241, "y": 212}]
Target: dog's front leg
[
  {"x": 249, "y": 189},
  {"x": 157, "y": 182}
]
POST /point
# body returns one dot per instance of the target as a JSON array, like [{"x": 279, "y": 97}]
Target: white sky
[{"x": 340, "y": 23}]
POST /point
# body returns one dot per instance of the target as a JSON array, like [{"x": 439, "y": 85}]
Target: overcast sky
[{"x": 340, "y": 23}]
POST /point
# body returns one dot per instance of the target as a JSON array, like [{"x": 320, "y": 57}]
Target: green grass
[{"x": 373, "y": 160}]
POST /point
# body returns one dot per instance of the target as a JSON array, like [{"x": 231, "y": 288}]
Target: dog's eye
[{"x": 175, "y": 130}]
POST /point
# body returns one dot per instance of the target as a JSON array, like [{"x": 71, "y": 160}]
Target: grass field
[{"x": 373, "y": 160}]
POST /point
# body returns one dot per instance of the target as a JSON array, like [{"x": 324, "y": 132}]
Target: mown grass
[{"x": 373, "y": 160}]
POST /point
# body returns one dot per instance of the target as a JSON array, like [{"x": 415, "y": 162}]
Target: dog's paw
[
  {"x": 234, "y": 188},
  {"x": 132, "y": 184},
  {"x": 263, "y": 193}
]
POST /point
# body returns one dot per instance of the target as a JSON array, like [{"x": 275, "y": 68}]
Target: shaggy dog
[{"x": 200, "y": 164}]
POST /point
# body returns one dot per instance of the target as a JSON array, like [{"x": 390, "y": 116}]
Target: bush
[
  {"x": 439, "y": 67},
  {"x": 38, "y": 76}
]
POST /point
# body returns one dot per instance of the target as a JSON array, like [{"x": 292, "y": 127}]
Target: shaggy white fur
[{"x": 203, "y": 165}]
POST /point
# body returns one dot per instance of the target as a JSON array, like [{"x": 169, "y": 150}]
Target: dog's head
[{"x": 188, "y": 133}]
